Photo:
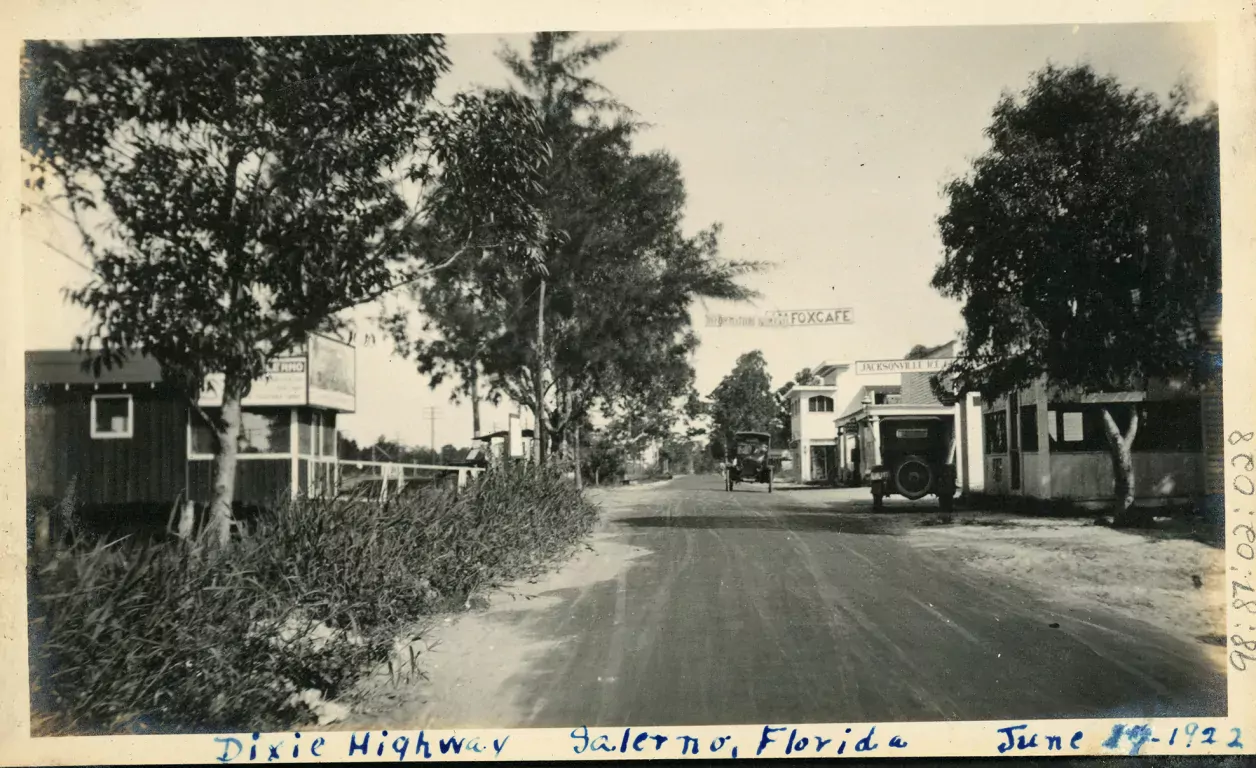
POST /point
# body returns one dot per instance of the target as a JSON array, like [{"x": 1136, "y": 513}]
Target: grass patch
[{"x": 147, "y": 636}]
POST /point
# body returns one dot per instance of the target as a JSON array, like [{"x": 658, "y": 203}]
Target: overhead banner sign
[
  {"x": 928, "y": 365},
  {"x": 784, "y": 318}
]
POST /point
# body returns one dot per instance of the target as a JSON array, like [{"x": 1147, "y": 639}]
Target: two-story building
[{"x": 812, "y": 408}]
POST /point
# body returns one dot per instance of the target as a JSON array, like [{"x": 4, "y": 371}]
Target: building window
[
  {"x": 261, "y": 432},
  {"x": 820, "y": 404},
  {"x": 1029, "y": 428},
  {"x": 1173, "y": 426},
  {"x": 305, "y": 429},
  {"x": 329, "y": 433},
  {"x": 996, "y": 432},
  {"x": 113, "y": 417}
]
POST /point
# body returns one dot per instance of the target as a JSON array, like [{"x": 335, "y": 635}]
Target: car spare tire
[{"x": 913, "y": 478}]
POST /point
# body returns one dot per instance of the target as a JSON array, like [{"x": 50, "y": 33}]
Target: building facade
[
  {"x": 812, "y": 408},
  {"x": 126, "y": 439},
  {"x": 1044, "y": 443}
]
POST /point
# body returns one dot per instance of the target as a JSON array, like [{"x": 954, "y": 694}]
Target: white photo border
[{"x": 1236, "y": 38}]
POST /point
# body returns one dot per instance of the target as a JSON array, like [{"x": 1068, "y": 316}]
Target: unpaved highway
[{"x": 697, "y": 606}]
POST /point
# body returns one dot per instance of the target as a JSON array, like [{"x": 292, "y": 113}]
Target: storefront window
[
  {"x": 1029, "y": 428},
  {"x": 1165, "y": 426},
  {"x": 996, "y": 432},
  {"x": 261, "y": 431},
  {"x": 305, "y": 428},
  {"x": 329, "y": 433}
]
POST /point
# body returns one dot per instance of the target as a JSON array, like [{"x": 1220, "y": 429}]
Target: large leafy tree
[
  {"x": 235, "y": 195},
  {"x": 1084, "y": 245},
  {"x": 744, "y": 400},
  {"x": 620, "y": 273}
]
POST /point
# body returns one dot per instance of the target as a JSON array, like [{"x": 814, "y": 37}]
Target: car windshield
[{"x": 751, "y": 449}]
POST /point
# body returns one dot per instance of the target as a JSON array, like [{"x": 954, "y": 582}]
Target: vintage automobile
[
  {"x": 751, "y": 461},
  {"x": 916, "y": 459}
]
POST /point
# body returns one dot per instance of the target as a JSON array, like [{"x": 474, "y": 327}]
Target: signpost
[
  {"x": 927, "y": 365},
  {"x": 784, "y": 318}
]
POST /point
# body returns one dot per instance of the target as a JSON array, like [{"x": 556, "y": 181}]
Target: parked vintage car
[
  {"x": 751, "y": 462},
  {"x": 916, "y": 460}
]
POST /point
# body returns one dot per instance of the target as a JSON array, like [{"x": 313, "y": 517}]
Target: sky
[{"x": 822, "y": 151}]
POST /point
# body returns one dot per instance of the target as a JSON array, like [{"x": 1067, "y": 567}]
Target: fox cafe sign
[{"x": 783, "y": 318}]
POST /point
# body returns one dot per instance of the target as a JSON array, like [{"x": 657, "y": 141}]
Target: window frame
[
  {"x": 990, "y": 446},
  {"x": 194, "y": 455},
  {"x": 825, "y": 403},
  {"x": 1031, "y": 441},
  {"x": 1153, "y": 435},
  {"x": 129, "y": 434}
]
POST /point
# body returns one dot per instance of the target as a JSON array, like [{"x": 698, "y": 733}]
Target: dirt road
[{"x": 696, "y": 606}]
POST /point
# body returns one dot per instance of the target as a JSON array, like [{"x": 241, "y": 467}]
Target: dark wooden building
[{"x": 126, "y": 442}]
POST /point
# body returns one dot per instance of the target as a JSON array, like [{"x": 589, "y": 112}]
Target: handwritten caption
[
  {"x": 771, "y": 741},
  {"x": 1242, "y": 595},
  {"x": 774, "y": 741}
]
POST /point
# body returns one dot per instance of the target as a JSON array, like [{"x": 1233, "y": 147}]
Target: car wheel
[{"x": 913, "y": 478}]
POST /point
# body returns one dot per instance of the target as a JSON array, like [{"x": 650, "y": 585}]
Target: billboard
[
  {"x": 282, "y": 385},
  {"x": 332, "y": 374},
  {"x": 927, "y": 365},
  {"x": 321, "y": 373}
]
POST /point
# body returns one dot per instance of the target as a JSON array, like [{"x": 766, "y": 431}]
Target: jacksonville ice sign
[
  {"x": 783, "y": 318},
  {"x": 928, "y": 365}
]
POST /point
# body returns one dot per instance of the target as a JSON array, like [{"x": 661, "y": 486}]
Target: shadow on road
[{"x": 879, "y": 526}]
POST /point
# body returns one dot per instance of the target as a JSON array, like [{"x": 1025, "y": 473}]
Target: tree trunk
[
  {"x": 474, "y": 385},
  {"x": 579, "y": 478},
  {"x": 1124, "y": 514},
  {"x": 538, "y": 379},
  {"x": 221, "y": 516}
]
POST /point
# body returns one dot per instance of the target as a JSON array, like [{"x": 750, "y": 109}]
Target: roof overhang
[{"x": 894, "y": 411}]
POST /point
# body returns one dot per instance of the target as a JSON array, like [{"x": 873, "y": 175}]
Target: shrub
[{"x": 162, "y": 636}]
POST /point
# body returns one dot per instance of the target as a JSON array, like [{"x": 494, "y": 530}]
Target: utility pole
[{"x": 431, "y": 417}]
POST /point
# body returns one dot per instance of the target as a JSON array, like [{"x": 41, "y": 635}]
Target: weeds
[{"x": 137, "y": 635}]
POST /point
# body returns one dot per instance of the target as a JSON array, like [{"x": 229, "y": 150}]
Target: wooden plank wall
[
  {"x": 147, "y": 468},
  {"x": 259, "y": 482}
]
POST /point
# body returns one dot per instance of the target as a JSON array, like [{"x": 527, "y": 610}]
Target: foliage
[
  {"x": 744, "y": 401},
  {"x": 1085, "y": 246},
  {"x": 1085, "y": 243},
  {"x": 621, "y": 273},
  {"x": 141, "y": 636},
  {"x": 249, "y": 190},
  {"x": 603, "y": 458},
  {"x": 686, "y": 455}
]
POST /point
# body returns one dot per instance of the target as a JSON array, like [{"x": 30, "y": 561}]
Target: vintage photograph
[{"x": 692, "y": 377}]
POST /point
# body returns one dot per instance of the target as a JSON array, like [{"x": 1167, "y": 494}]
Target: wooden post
[{"x": 874, "y": 434}]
